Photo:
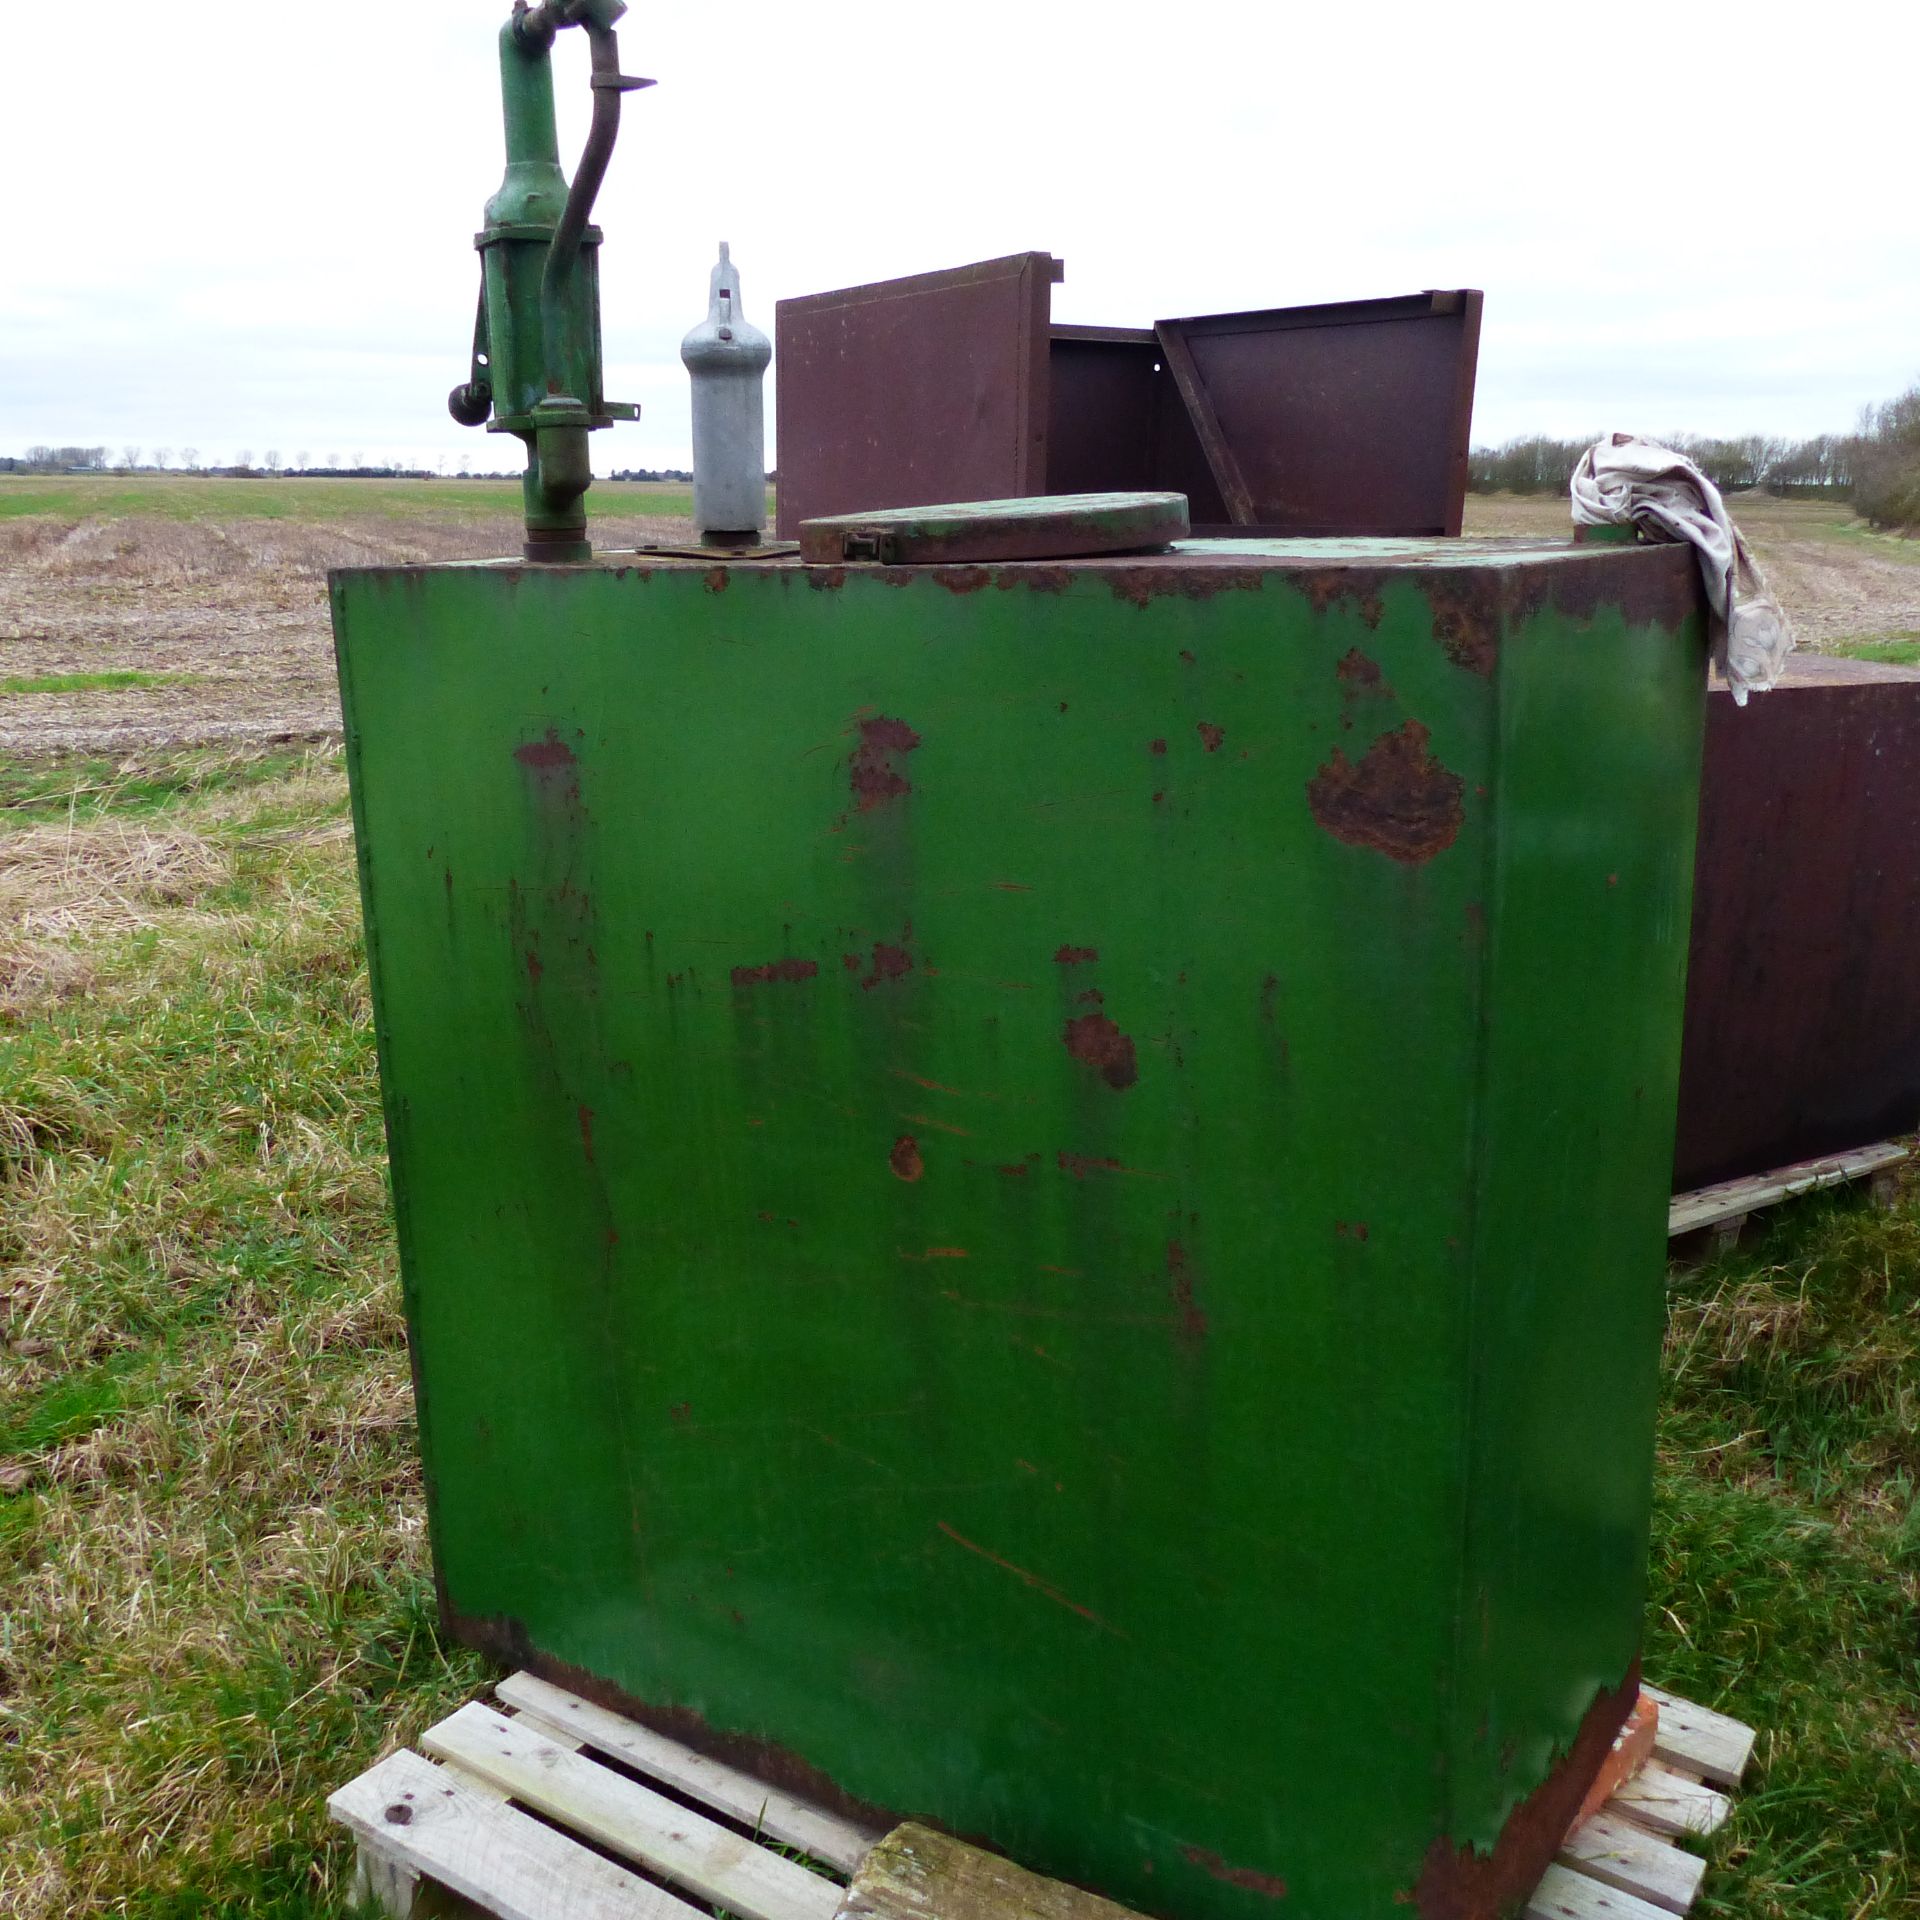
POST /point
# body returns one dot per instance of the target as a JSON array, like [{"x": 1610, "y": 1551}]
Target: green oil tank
[{"x": 1033, "y": 1192}]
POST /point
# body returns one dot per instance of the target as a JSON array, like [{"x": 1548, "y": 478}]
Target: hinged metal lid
[{"x": 1053, "y": 527}]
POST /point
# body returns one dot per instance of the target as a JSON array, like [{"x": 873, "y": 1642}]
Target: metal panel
[
  {"x": 972, "y": 1148},
  {"x": 1352, "y": 418},
  {"x": 1803, "y": 998},
  {"x": 1104, "y": 389},
  {"x": 914, "y": 391}
]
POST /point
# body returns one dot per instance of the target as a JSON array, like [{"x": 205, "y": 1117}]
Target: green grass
[
  {"x": 87, "y": 787},
  {"x": 1891, "y": 650},
  {"x": 90, "y": 682},
  {"x": 182, "y": 496},
  {"x": 217, "y": 1598}
]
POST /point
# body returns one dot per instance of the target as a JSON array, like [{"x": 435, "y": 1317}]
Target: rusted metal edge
[
  {"x": 978, "y": 273},
  {"x": 1461, "y": 1883},
  {"x": 1221, "y": 459},
  {"x": 506, "y": 1641},
  {"x": 1104, "y": 336},
  {"x": 1334, "y": 313},
  {"x": 1034, "y": 421},
  {"x": 1471, "y": 301}
]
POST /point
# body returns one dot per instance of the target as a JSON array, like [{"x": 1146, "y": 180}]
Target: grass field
[
  {"x": 214, "y": 1594},
  {"x": 193, "y": 497},
  {"x": 217, "y": 1600}
]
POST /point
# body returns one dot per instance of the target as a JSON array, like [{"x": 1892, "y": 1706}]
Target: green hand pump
[{"x": 536, "y": 342}]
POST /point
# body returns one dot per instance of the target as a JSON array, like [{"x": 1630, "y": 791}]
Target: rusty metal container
[
  {"x": 1033, "y": 1193},
  {"x": 1350, "y": 418},
  {"x": 1803, "y": 990}
]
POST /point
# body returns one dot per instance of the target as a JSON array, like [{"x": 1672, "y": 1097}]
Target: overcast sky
[{"x": 251, "y": 228}]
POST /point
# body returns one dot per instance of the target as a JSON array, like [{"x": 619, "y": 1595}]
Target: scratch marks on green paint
[
  {"x": 1030, "y": 1579},
  {"x": 1268, "y": 1884},
  {"x": 789, "y": 971}
]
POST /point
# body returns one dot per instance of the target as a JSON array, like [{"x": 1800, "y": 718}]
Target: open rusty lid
[{"x": 1063, "y": 526}]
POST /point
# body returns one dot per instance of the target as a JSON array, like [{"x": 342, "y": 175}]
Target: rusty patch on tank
[
  {"x": 1269, "y": 1884},
  {"x": 585, "y": 1117},
  {"x": 963, "y": 579},
  {"x": 875, "y": 775},
  {"x": 826, "y": 579},
  {"x": 889, "y": 963},
  {"x": 1460, "y": 1883},
  {"x": 1466, "y": 618},
  {"x": 1141, "y": 586},
  {"x": 718, "y": 579},
  {"x": 1396, "y": 799},
  {"x": 1075, "y": 956},
  {"x": 1211, "y": 736},
  {"x": 1095, "y": 1040},
  {"x": 1358, "y": 587},
  {"x": 790, "y": 971},
  {"x": 1360, "y": 674},
  {"x": 905, "y": 1158},
  {"x": 545, "y": 756},
  {"x": 1193, "y": 1318},
  {"x": 1034, "y": 579}
]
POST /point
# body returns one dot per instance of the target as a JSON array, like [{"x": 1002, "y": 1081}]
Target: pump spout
[{"x": 536, "y": 355}]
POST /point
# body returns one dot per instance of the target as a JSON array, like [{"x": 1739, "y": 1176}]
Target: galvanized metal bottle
[{"x": 728, "y": 360}]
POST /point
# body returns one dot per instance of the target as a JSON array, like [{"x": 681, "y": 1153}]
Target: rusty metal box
[
  {"x": 1349, "y": 418},
  {"x": 1803, "y": 989}
]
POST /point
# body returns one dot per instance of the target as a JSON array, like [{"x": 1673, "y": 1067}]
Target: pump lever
[{"x": 472, "y": 400}]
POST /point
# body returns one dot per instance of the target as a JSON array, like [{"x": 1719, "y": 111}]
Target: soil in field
[
  {"x": 151, "y": 629},
  {"x": 1838, "y": 580},
  {"x": 183, "y": 612}
]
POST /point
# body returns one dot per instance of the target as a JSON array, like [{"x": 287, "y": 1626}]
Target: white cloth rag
[{"x": 1625, "y": 481}]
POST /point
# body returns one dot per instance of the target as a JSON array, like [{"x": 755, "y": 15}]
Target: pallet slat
[
  {"x": 1625, "y": 1855},
  {"x": 492, "y": 1854},
  {"x": 820, "y": 1835},
  {"x": 698, "y": 1854},
  {"x": 1564, "y": 1895},
  {"x": 1670, "y": 1802},
  {"x": 1732, "y": 1198},
  {"x": 458, "y": 1821},
  {"x": 1699, "y": 1740}
]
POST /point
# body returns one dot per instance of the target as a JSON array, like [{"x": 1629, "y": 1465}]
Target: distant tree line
[
  {"x": 1886, "y": 482},
  {"x": 1823, "y": 466},
  {"x": 243, "y": 467}
]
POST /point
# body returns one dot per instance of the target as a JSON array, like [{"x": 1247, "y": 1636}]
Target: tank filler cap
[{"x": 1059, "y": 526}]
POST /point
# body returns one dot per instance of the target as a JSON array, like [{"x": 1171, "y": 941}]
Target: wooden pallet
[
  {"x": 550, "y": 1808},
  {"x": 1724, "y": 1208}
]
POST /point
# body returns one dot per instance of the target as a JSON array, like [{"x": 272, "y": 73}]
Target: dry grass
[
  {"x": 108, "y": 878},
  {"x": 217, "y": 1600}
]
